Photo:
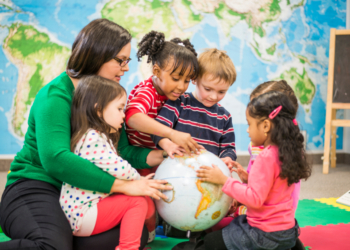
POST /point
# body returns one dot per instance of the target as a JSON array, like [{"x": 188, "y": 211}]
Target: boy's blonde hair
[{"x": 218, "y": 65}]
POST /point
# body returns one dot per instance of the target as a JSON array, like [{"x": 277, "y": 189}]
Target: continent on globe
[
  {"x": 210, "y": 194},
  {"x": 38, "y": 61}
]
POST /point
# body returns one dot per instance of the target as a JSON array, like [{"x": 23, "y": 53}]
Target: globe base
[{"x": 195, "y": 243}]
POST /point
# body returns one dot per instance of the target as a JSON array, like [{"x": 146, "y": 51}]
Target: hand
[
  {"x": 235, "y": 204},
  {"x": 242, "y": 173},
  {"x": 228, "y": 161},
  {"x": 213, "y": 175},
  {"x": 143, "y": 187},
  {"x": 171, "y": 148},
  {"x": 147, "y": 177},
  {"x": 185, "y": 141}
]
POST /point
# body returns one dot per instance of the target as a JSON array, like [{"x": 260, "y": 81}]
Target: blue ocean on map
[{"x": 305, "y": 32}]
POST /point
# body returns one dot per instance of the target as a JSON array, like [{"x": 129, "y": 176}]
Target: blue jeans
[{"x": 241, "y": 236}]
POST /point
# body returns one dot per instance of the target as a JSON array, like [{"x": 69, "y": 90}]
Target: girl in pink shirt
[{"x": 269, "y": 222}]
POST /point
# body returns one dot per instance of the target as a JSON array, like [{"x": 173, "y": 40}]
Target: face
[
  {"x": 113, "y": 113},
  {"x": 171, "y": 85},
  {"x": 209, "y": 91},
  {"x": 256, "y": 130},
  {"x": 112, "y": 69}
]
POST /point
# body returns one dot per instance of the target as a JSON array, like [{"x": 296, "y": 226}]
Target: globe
[{"x": 192, "y": 205}]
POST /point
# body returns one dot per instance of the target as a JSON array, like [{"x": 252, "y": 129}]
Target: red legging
[{"x": 130, "y": 212}]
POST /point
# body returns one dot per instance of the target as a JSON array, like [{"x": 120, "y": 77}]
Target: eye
[
  {"x": 120, "y": 109},
  {"x": 175, "y": 79},
  {"x": 207, "y": 89}
]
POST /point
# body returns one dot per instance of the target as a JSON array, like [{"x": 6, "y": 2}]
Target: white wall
[{"x": 346, "y": 139}]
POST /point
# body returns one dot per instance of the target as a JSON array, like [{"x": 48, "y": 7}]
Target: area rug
[{"x": 325, "y": 225}]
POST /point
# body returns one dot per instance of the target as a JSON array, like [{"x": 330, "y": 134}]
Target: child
[
  {"x": 199, "y": 113},
  {"x": 97, "y": 115},
  {"x": 174, "y": 64},
  {"x": 269, "y": 223},
  {"x": 279, "y": 86}
]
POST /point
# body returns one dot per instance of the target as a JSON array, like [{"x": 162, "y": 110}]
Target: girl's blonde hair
[{"x": 91, "y": 97}]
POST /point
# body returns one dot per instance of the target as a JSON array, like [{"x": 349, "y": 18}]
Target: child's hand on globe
[
  {"x": 211, "y": 174},
  {"x": 242, "y": 173},
  {"x": 171, "y": 148},
  {"x": 228, "y": 161}
]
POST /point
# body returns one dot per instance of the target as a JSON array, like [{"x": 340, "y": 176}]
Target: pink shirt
[
  {"x": 254, "y": 151},
  {"x": 268, "y": 198}
]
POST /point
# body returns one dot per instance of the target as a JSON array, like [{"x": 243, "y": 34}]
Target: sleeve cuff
[
  {"x": 229, "y": 153},
  {"x": 106, "y": 183},
  {"x": 130, "y": 113}
]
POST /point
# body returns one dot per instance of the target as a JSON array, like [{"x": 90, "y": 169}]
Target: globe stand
[{"x": 194, "y": 237}]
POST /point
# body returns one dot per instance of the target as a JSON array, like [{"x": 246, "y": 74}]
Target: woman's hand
[
  {"x": 213, "y": 175},
  {"x": 171, "y": 148},
  {"x": 142, "y": 187},
  {"x": 242, "y": 173},
  {"x": 185, "y": 141}
]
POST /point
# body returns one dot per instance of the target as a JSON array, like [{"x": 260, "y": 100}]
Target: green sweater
[
  {"x": 136, "y": 156},
  {"x": 46, "y": 154}
]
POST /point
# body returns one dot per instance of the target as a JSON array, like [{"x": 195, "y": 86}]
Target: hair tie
[
  {"x": 295, "y": 122},
  {"x": 275, "y": 112},
  {"x": 181, "y": 44}
]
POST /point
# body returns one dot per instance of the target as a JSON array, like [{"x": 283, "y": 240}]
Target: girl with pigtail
[
  {"x": 269, "y": 222},
  {"x": 174, "y": 64}
]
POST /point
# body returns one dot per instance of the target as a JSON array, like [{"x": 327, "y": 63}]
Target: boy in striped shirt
[{"x": 199, "y": 113}]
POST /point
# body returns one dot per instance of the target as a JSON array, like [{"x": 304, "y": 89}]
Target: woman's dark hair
[
  {"x": 160, "y": 51},
  {"x": 97, "y": 43},
  {"x": 279, "y": 86},
  {"x": 284, "y": 133},
  {"x": 91, "y": 97}
]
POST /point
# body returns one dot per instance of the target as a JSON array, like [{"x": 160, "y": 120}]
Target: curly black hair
[
  {"x": 159, "y": 52},
  {"x": 284, "y": 133}
]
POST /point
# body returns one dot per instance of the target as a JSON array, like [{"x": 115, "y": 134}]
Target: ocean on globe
[{"x": 192, "y": 204}]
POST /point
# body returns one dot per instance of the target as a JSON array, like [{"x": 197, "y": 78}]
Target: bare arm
[{"x": 144, "y": 123}]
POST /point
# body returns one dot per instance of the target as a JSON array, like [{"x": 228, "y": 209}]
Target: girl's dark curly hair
[
  {"x": 284, "y": 133},
  {"x": 279, "y": 86},
  {"x": 159, "y": 52}
]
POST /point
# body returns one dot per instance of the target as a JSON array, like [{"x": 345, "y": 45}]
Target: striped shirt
[
  {"x": 145, "y": 99},
  {"x": 210, "y": 127}
]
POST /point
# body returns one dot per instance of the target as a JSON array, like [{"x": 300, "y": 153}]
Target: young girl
[
  {"x": 174, "y": 64},
  {"x": 269, "y": 223},
  {"x": 282, "y": 87},
  {"x": 97, "y": 115}
]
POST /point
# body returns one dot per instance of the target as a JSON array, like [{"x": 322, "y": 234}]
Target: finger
[
  {"x": 171, "y": 156},
  {"x": 160, "y": 195},
  {"x": 205, "y": 167},
  {"x": 178, "y": 152},
  {"x": 234, "y": 170},
  {"x": 192, "y": 147},
  {"x": 214, "y": 166},
  {"x": 157, "y": 182},
  {"x": 150, "y": 176},
  {"x": 161, "y": 186},
  {"x": 204, "y": 179},
  {"x": 187, "y": 149}
]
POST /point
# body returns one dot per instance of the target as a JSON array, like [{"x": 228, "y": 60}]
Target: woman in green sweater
[{"x": 30, "y": 213}]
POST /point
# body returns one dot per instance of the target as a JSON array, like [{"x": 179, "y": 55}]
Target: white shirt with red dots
[{"x": 77, "y": 202}]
